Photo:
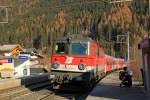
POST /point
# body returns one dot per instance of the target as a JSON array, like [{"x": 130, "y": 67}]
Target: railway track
[
  {"x": 70, "y": 95},
  {"x": 32, "y": 88},
  {"x": 23, "y": 93},
  {"x": 41, "y": 90}
]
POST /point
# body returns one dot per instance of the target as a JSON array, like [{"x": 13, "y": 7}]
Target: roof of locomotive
[{"x": 74, "y": 37}]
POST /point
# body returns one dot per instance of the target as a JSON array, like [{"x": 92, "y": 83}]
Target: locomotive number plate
[{"x": 69, "y": 67}]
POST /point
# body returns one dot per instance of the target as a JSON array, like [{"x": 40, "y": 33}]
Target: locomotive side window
[
  {"x": 61, "y": 48},
  {"x": 79, "y": 49}
]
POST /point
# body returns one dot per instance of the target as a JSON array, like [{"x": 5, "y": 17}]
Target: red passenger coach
[
  {"x": 79, "y": 59},
  {"x": 109, "y": 63}
]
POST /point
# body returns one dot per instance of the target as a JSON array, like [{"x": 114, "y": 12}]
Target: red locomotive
[{"x": 80, "y": 59}]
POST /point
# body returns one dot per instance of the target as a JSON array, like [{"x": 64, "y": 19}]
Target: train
[{"x": 80, "y": 59}]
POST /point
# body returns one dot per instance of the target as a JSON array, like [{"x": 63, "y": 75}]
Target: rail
[{"x": 36, "y": 87}]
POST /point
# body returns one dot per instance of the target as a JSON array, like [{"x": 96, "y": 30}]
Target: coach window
[{"x": 101, "y": 53}]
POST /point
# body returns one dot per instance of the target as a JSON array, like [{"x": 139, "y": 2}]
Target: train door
[
  {"x": 113, "y": 64},
  {"x": 101, "y": 61},
  {"x": 97, "y": 65},
  {"x": 109, "y": 63}
]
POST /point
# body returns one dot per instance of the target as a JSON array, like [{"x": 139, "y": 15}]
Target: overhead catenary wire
[{"x": 89, "y": 2}]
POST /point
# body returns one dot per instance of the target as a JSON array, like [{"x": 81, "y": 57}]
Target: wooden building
[{"x": 10, "y": 49}]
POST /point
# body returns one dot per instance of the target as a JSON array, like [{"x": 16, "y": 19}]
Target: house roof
[
  {"x": 8, "y": 47},
  {"x": 30, "y": 50}
]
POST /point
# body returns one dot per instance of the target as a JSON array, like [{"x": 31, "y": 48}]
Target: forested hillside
[
  {"x": 46, "y": 20},
  {"x": 36, "y": 23}
]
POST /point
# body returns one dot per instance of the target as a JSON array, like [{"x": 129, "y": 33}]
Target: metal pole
[
  {"x": 6, "y": 15},
  {"x": 128, "y": 47}
]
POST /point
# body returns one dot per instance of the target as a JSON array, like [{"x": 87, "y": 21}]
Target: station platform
[
  {"x": 109, "y": 89},
  {"x": 27, "y": 81}
]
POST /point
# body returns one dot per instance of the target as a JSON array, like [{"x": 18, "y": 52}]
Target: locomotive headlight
[
  {"x": 55, "y": 65},
  {"x": 81, "y": 66}
]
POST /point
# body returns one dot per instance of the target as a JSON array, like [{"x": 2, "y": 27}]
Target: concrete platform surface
[
  {"x": 109, "y": 89},
  {"x": 9, "y": 83}
]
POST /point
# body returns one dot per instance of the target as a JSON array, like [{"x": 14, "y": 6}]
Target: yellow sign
[
  {"x": 17, "y": 50},
  {"x": 7, "y": 69}
]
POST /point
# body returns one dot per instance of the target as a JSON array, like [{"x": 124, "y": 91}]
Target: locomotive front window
[
  {"x": 79, "y": 49},
  {"x": 61, "y": 48}
]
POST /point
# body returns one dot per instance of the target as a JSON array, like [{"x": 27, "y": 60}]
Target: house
[{"x": 9, "y": 50}]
